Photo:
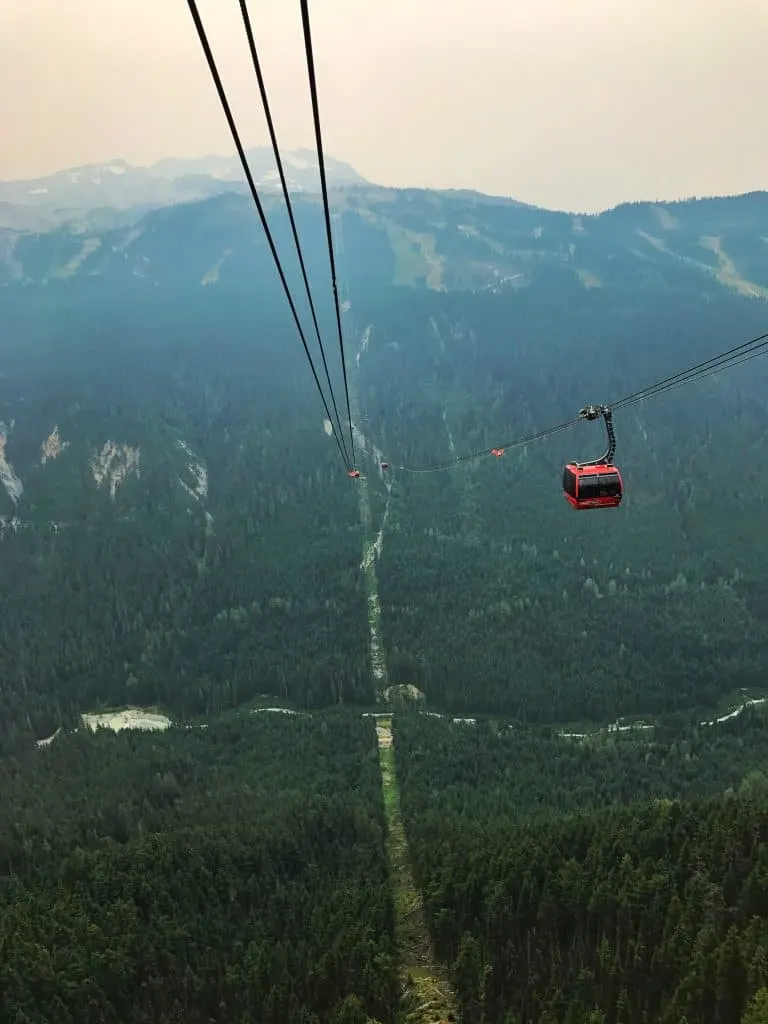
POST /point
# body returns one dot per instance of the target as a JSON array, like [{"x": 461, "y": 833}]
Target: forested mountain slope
[
  {"x": 449, "y": 240},
  {"x": 232, "y": 873},
  {"x": 178, "y": 527},
  {"x": 616, "y": 880}
]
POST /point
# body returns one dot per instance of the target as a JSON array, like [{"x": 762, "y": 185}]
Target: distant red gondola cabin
[{"x": 598, "y": 486}]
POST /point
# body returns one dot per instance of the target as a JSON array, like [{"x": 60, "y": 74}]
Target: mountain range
[
  {"x": 98, "y": 191},
  {"x": 443, "y": 240}
]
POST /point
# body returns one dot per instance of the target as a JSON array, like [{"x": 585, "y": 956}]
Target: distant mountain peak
[{"x": 119, "y": 185}]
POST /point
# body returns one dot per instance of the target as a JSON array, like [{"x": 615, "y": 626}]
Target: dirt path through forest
[{"x": 426, "y": 994}]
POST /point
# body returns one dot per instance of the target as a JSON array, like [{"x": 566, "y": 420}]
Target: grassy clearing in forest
[{"x": 426, "y": 993}]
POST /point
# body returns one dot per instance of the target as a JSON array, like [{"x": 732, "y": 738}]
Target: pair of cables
[{"x": 348, "y": 455}]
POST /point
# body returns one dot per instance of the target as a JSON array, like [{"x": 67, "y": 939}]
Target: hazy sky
[{"x": 575, "y": 104}]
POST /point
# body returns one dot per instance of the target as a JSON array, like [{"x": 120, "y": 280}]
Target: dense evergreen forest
[
  {"x": 194, "y": 541},
  {"x": 156, "y": 595},
  {"x": 234, "y": 872},
  {"x": 609, "y": 880},
  {"x": 239, "y": 871}
]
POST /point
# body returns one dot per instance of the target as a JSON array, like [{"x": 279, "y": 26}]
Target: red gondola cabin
[{"x": 598, "y": 486}]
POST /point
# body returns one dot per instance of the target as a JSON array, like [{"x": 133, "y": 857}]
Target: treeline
[
  {"x": 609, "y": 879},
  {"x": 235, "y": 872}
]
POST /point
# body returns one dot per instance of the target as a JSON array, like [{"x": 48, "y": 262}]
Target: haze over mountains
[{"x": 63, "y": 197}]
